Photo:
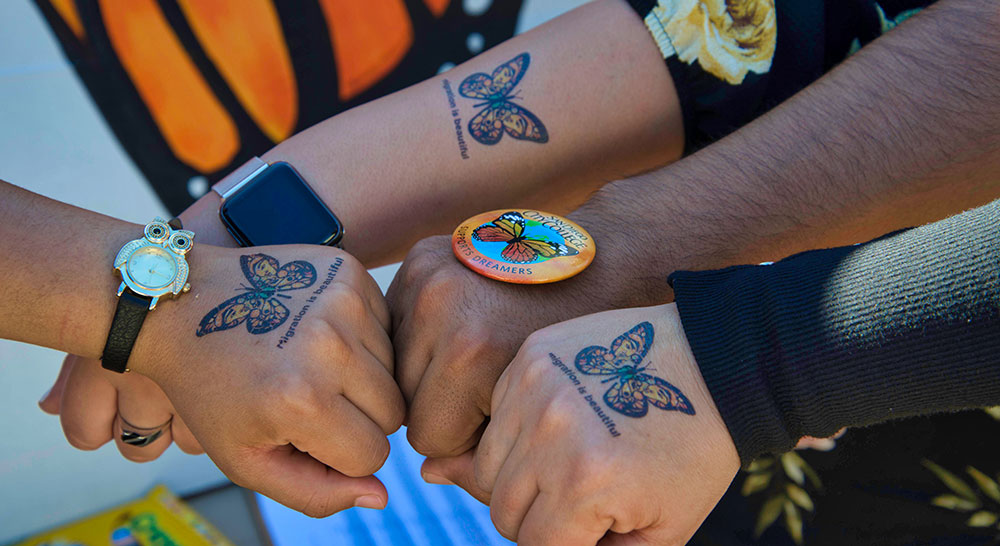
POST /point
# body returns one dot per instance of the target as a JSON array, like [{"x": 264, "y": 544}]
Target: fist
[
  {"x": 455, "y": 331},
  {"x": 279, "y": 362},
  {"x": 602, "y": 432}
]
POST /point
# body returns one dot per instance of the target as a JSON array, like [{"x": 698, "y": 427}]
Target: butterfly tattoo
[
  {"x": 500, "y": 113},
  {"x": 633, "y": 389},
  {"x": 509, "y": 228},
  {"x": 258, "y": 305}
]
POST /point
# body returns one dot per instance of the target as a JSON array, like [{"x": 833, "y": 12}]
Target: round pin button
[{"x": 523, "y": 246}]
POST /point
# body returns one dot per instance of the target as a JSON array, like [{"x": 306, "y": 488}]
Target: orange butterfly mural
[{"x": 194, "y": 88}]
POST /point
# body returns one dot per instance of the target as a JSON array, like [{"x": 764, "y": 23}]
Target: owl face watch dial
[{"x": 152, "y": 267}]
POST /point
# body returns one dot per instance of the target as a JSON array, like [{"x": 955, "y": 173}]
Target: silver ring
[{"x": 138, "y": 436}]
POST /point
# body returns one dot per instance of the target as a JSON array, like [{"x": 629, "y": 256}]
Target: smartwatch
[{"x": 271, "y": 204}]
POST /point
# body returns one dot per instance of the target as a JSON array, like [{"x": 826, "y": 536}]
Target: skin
[
  {"x": 403, "y": 146},
  {"x": 812, "y": 173},
  {"x": 553, "y": 475},
  {"x": 305, "y": 424}
]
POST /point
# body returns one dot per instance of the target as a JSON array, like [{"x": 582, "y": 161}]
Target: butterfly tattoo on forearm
[{"x": 500, "y": 114}]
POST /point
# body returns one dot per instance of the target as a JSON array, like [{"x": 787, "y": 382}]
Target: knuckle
[
  {"x": 370, "y": 455},
  {"x": 557, "y": 416},
  {"x": 592, "y": 468},
  {"x": 395, "y": 414},
  {"x": 336, "y": 344},
  {"x": 291, "y": 395},
  {"x": 440, "y": 288},
  {"x": 319, "y": 506},
  {"x": 421, "y": 438},
  {"x": 535, "y": 370},
  {"x": 501, "y": 513},
  {"x": 346, "y": 300}
]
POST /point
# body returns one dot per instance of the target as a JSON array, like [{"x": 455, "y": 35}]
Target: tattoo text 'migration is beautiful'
[
  {"x": 463, "y": 148},
  {"x": 589, "y": 398},
  {"x": 331, "y": 273}
]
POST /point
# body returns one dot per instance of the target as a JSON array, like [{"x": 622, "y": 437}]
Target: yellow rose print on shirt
[{"x": 728, "y": 38}]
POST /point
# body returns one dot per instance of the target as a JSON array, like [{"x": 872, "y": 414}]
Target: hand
[
  {"x": 94, "y": 406},
  {"x": 559, "y": 464},
  {"x": 279, "y": 362},
  {"x": 455, "y": 332}
]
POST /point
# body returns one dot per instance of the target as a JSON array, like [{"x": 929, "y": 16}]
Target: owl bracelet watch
[{"x": 151, "y": 268}]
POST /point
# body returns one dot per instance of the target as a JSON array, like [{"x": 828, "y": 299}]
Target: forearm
[
  {"x": 393, "y": 169},
  {"x": 904, "y": 325},
  {"x": 58, "y": 281},
  {"x": 904, "y": 132}
]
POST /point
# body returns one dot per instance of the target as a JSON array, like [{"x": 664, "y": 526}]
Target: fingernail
[
  {"x": 369, "y": 501},
  {"x": 44, "y": 396},
  {"x": 435, "y": 479}
]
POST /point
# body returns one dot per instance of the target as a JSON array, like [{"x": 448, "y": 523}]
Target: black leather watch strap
[
  {"x": 129, "y": 316},
  {"x": 175, "y": 223}
]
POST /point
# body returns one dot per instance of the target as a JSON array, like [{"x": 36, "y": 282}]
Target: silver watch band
[{"x": 236, "y": 179}]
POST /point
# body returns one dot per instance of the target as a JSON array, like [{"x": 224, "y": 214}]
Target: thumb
[
  {"x": 459, "y": 470},
  {"x": 302, "y": 483},
  {"x": 51, "y": 401}
]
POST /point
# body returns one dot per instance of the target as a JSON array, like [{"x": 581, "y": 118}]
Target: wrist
[
  {"x": 632, "y": 262},
  {"x": 203, "y": 219},
  {"x": 169, "y": 329}
]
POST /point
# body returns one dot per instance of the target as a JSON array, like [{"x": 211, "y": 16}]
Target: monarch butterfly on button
[{"x": 509, "y": 228}]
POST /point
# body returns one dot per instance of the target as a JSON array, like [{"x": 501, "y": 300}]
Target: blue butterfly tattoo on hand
[
  {"x": 501, "y": 114},
  {"x": 633, "y": 389}
]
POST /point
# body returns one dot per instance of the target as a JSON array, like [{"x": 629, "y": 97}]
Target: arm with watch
[
  {"x": 276, "y": 358},
  {"x": 376, "y": 179}
]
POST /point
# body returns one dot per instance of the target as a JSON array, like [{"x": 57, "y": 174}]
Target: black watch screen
[{"x": 277, "y": 207}]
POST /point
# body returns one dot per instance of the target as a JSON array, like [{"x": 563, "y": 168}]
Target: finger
[
  {"x": 496, "y": 445},
  {"x": 515, "y": 491},
  {"x": 89, "y": 405},
  {"x": 52, "y": 399},
  {"x": 353, "y": 274},
  {"x": 412, "y": 356},
  {"x": 373, "y": 390},
  {"x": 377, "y": 302},
  {"x": 342, "y": 438},
  {"x": 302, "y": 483},
  {"x": 458, "y": 471},
  {"x": 399, "y": 296},
  {"x": 376, "y": 340},
  {"x": 444, "y": 421},
  {"x": 353, "y": 319},
  {"x": 142, "y": 430},
  {"x": 550, "y": 522},
  {"x": 184, "y": 438},
  {"x": 150, "y": 442}
]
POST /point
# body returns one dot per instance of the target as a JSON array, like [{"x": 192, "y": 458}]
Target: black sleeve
[{"x": 905, "y": 325}]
